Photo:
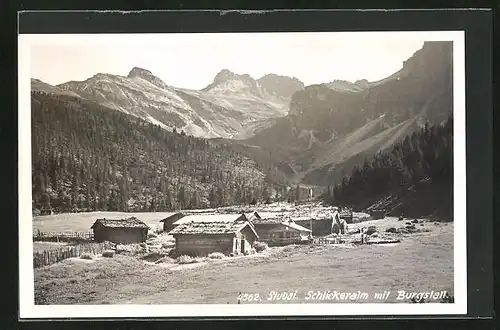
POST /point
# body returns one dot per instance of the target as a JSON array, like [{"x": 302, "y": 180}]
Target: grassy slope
[{"x": 421, "y": 262}]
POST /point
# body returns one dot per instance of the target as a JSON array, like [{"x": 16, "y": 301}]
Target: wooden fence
[
  {"x": 331, "y": 240},
  {"x": 49, "y": 257},
  {"x": 63, "y": 237}
]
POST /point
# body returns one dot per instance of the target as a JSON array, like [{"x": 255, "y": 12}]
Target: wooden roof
[
  {"x": 131, "y": 222},
  {"x": 280, "y": 221},
  {"x": 172, "y": 216},
  {"x": 209, "y": 218},
  {"x": 211, "y": 228}
]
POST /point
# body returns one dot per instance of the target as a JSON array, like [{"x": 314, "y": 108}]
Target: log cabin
[
  {"x": 198, "y": 238},
  {"x": 278, "y": 232},
  {"x": 121, "y": 231}
]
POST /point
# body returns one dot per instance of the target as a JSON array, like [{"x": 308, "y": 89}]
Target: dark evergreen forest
[
  {"x": 417, "y": 171},
  {"x": 88, "y": 157}
]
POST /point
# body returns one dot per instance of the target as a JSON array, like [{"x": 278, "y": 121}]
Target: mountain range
[
  {"x": 232, "y": 106},
  {"x": 313, "y": 134}
]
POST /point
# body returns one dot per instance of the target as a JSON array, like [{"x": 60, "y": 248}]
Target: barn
[
  {"x": 122, "y": 231},
  {"x": 277, "y": 232},
  {"x": 200, "y": 238},
  {"x": 168, "y": 222}
]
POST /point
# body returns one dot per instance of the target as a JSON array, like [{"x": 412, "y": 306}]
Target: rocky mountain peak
[
  {"x": 223, "y": 75},
  {"x": 139, "y": 72},
  {"x": 146, "y": 75},
  {"x": 282, "y": 86}
]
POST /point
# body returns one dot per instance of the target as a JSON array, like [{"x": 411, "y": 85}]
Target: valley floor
[{"x": 421, "y": 262}]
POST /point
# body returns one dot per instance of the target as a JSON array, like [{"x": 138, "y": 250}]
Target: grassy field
[
  {"x": 81, "y": 222},
  {"x": 421, "y": 262}
]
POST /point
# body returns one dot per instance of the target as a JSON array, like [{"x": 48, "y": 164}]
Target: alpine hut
[
  {"x": 122, "y": 231},
  {"x": 276, "y": 232},
  {"x": 200, "y": 238}
]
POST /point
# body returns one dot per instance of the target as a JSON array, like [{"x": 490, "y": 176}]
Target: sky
[{"x": 192, "y": 60}]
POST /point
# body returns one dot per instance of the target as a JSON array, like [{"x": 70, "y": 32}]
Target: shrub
[
  {"x": 152, "y": 235},
  {"x": 167, "y": 245},
  {"x": 158, "y": 229},
  {"x": 153, "y": 256},
  {"x": 86, "y": 256},
  {"x": 371, "y": 230},
  {"x": 289, "y": 248},
  {"x": 199, "y": 259},
  {"x": 184, "y": 259},
  {"x": 414, "y": 221},
  {"x": 173, "y": 254},
  {"x": 216, "y": 255},
  {"x": 391, "y": 230},
  {"x": 260, "y": 246},
  {"x": 108, "y": 254},
  {"x": 165, "y": 260}
]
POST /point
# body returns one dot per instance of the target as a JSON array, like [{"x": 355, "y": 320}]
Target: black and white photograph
[{"x": 216, "y": 174}]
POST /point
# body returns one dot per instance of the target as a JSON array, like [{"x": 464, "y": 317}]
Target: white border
[{"x": 28, "y": 309}]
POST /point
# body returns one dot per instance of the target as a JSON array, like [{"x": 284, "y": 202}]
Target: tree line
[{"x": 87, "y": 157}]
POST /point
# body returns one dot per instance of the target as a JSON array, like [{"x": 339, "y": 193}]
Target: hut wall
[
  {"x": 241, "y": 244},
  {"x": 248, "y": 235},
  {"x": 120, "y": 235},
  {"x": 202, "y": 245},
  {"x": 277, "y": 234},
  {"x": 321, "y": 227},
  {"x": 266, "y": 231}
]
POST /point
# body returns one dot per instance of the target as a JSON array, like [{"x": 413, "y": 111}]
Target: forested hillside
[
  {"x": 414, "y": 177},
  {"x": 88, "y": 157}
]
